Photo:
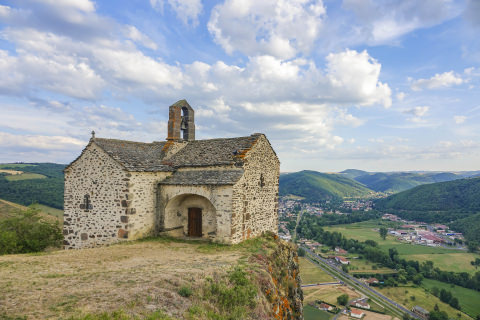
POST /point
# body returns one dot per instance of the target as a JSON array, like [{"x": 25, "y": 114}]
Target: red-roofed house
[
  {"x": 342, "y": 260},
  {"x": 357, "y": 313}
]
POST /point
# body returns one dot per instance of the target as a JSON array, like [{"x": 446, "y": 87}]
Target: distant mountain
[
  {"x": 397, "y": 181},
  {"x": 317, "y": 186}
]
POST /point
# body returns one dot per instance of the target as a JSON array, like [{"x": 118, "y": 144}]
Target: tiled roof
[
  {"x": 140, "y": 156},
  {"x": 204, "y": 177}
]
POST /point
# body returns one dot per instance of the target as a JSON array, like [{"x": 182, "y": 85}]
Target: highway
[{"x": 332, "y": 269}]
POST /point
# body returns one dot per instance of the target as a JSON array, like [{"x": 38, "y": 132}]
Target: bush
[
  {"x": 27, "y": 232},
  {"x": 185, "y": 292},
  {"x": 343, "y": 299},
  {"x": 301, "y": 252}
]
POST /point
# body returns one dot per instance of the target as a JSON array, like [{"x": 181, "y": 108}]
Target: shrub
[
  {"x": 185, "y": 291},
  {"x": 26, "y": 231},
  {"x": 343, "y": 299}
]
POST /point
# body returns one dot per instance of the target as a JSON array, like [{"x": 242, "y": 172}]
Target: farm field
[
  {"x": 24, "y": 176},
  {"x": 456, "y": 261},
  {"x": 327, "y": 293},
  {"x": 404, "y": 294},
  {"x": 469, "y": 299},
  {"x": 16, "y": 165},
  {"x": 365, "y": 266},
  {"x": 312, "y": 274},
  {"x": 312, "y": 313}
]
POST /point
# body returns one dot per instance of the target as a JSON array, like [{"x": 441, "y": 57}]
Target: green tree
[
  {"x": 454, "y": 303},
  {"x": 418, "y": 278},
  {"x": 26, "y": 231},
  {"x": 383, "y": 232},
  {"x": 343, "y": 299},
  {"x": 472, "y": 246},
  {"x": 301, "y": 252}
]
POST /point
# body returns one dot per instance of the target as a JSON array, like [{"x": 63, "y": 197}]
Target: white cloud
[
  {"x": 439, "y": 80},
  {"x": 134, "y": 34},
  {"x": 379, "y": 22},
  {"x": 4, "y": 11},
  {"x": 282, "y": 28},
  {"x": 400, "y": 96},
  {"x": 187, "y": 11},
  {"x": 418, "y": 111},
  {"x": 459, "y": 119},
  {"x": 39, "y": 141}
]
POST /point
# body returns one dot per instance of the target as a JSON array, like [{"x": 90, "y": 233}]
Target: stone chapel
[{"x": 224, "y": 189}]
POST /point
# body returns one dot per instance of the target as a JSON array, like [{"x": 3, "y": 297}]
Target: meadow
[
  {"x": 311, "y": 274},
  {"x": 312, "y": 313},
  {"x": 469, "y": 299},
  {"x": 25, "y": 176},
  {"x": 410, "y": 296}
]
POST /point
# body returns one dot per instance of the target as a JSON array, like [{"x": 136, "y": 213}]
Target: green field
[
  {"x": 454, "y": 261},
  {"x": 49, "y": 210},
  {"x": 310, "y": 273},
  {"x": 312, "y": 313},
  {"x": 24, "y": 176},
  {"x": 16, "y": 165},
  {"x": 365, "y": 266},
  {"x": 422, "y": 298},
  {"x": 469, "y": 299},
  {"x": 364, "y": 231}
]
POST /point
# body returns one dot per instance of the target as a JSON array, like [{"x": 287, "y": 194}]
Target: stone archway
[{"x": 179, "y": 212}]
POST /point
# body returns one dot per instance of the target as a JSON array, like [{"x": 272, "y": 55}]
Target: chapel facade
[{"x": 225, "y": 189}]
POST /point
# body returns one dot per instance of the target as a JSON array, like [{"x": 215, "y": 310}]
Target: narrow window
[{"x": 262, "y": 180}]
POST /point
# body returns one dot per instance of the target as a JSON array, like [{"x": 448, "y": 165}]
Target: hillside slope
[
  {"x": 38, "y": 183},
  {"x": 400, "y": 181},
  {"x": 317, "y": 186},
  {"x": 258, "y": 279}
]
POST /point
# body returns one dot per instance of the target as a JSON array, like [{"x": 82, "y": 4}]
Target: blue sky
[{"x": 374, "y": 85}]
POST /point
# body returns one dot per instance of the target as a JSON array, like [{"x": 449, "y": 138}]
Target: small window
[
  {"x": 262, "y": 180},
  {"x": 87, "y": 204}
]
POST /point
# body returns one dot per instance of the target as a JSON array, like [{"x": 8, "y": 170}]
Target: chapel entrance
[{"x": 194, "y": 222}]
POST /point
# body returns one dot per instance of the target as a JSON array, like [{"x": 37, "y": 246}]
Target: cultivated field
[
  {"x": 133, "y": 277},
  {"x": 328, "y": 293},
  {"x": 311, "y": 313},
  {"x": 10, "y": 171},
  {"x": 311, "y": 274},
  {"x": 403, "y": 295},
  {"x": 469, "y": 299},
  {"x": 25, "y": 176}
]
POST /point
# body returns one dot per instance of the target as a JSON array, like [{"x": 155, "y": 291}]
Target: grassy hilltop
[{"x": 155, "y": 279}]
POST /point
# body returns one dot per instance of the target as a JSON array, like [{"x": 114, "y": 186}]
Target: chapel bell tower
[{"x": 181, "y": 119}]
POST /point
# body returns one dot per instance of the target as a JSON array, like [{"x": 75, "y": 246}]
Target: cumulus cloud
[
  {"x": 400, "y": 96},
  {"x": 439, "y": 80},
  {"x": 187, "y": 10},
  {"x": 38, "y": 141},
  {"x": 418, "y": 113},
  {"x": 278, "y": 28}
]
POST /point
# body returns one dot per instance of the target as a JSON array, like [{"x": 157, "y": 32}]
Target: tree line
[{"x": 408, "y": 270}]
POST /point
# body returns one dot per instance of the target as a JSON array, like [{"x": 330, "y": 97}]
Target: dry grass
[
  {"x": 133, "y": 277},
  {"x": 327, "y": 293}
]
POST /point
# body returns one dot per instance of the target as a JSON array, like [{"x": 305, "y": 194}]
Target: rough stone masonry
[{"x": 221, "y": 189}]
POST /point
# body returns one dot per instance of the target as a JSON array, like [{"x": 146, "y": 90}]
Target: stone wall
[
  {"x": 255, "y": 195},
  {"x": 105, "y": 182}
]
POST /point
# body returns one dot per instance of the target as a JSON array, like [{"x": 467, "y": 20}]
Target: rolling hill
[
  {"x": 32, "y": 183},
  {"x": 397, "y": 181},
  {"x": 317, "y": 186}
]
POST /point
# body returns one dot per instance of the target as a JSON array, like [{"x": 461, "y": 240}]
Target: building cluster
[
  {"x": 422, "y": 233},
  {"x": 358, "y": 204}
]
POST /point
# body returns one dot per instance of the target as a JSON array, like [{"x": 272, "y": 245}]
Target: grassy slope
[
  {"x": 422, "y": 298},
  {"x": 311, "y": 274},
  {"x": 469, "y": 299},
  {"x": 456, "y": 262},
  {"x": 316, "y": 186},
  {"x": 8, "y": 208},
  {"x": 311, "y": 313}
]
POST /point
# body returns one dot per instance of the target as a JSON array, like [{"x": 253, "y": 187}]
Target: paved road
[{"x": 327, "y": 264}]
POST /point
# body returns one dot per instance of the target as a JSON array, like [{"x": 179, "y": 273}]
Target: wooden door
[{"x": 194, "y": 222}]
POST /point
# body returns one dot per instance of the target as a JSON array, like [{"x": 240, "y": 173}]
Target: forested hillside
[
  {"x": 398, "y": 181},
  {"x": 317, "y": 186},
  {"x": 39, "y": 183}
]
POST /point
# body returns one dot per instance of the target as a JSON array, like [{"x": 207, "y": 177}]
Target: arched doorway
[{"x": 190, "y": 215}]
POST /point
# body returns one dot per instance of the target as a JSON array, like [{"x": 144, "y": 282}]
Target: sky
[{"x": 368, "y": 84}]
